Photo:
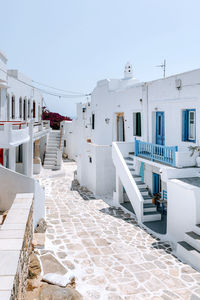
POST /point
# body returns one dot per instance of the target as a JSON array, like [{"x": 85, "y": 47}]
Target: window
[
  {"x": 189, "y": 125},
  {"x": 29, "y": 108},
  {"x": 20, "y": 107},
  {"x": 93, "y": 121},
  {"x": 34, "y": 109},
  {"x": 13, "y": 107},
  {"x": 137, "y": 124},
  {"x": 19, "y": 154},
  {"x": 24, "y": 109}
]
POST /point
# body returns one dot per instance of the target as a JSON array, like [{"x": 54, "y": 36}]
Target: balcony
[
  {"x": 13, "y": 133},
  {"x": 154, "y": 152},
  {"x": 40, "y": 129}
]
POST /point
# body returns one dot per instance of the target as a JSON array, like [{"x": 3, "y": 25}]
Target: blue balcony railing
[{"x": 164, "y": 154}]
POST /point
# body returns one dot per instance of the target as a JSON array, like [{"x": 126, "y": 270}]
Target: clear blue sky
[{"x": 73, "y": 44}]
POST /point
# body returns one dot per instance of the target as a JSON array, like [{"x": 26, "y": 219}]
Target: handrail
[
  {"x": 165, "y": 154},
  {"x": 16, "y": 123},
  {"x": 128, "y": 181},
  {"x": 10, "y": 121},
  {"x": 60, "y": 138}
]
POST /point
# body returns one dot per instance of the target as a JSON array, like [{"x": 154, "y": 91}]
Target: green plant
[{"x": 194, "y": 149}]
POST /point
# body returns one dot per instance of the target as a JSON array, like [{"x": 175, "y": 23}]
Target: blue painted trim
[
  {"x": 156, "y": 183},
  {"x": 142, "y": 171},
  {"x": 164, "y": 154},
  {"x": 164, "y": 195},
  {"x": 185, "y": 126},
  {"x": 160, "y": 137}
]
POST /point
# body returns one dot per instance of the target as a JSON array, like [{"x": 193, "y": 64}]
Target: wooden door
[{"x": 120, "y": 127}]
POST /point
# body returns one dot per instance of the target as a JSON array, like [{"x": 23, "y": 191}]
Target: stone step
[
  {"x": 147, "y": 207},
  {"x": 141, "y": 184},
  {"x": 188, "y": 254},
  {"x": 50, "y": 155},
  {"x": 193, "y": 239},
  {"x": 144, "y": 191},
  {"x": 51, "y": 152},
  {"x": 49, "y": 160},
  {"x": 136, "y": 177},
  {"x": 48, "y": 167},
  {"x": 151, "y": 216},
  {"x": 128, "y": 158}
]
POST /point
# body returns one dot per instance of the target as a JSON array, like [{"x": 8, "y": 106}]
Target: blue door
[
  {"x": 160, "y": 128},
  {"x": 156, "y": 183}
]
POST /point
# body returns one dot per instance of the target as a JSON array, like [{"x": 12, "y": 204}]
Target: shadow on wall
[{"x": 13, "y": 183}]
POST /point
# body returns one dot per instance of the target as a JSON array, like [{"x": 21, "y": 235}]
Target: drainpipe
[
  {"x": 147, "y": 109},
  {"x": 147, "y": 91}
]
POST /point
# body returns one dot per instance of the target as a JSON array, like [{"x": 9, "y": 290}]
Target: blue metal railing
[{"x": 160, "y": 153}]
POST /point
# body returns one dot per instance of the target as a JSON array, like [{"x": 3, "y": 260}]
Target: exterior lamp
[{"x": 107, "y": 120}]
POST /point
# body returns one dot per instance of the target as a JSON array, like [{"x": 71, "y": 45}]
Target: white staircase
[
  {"x": 150, "y": 212},
  {"x": 136, "y": 190},
  {"x": 53, "y": 155},
  {"x": 189, "y": 249}
]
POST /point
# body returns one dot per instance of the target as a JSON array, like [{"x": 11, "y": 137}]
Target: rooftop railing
[{"x": 164, "y": 154}]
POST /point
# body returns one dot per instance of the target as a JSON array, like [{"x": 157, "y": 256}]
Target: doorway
[
  {"x": 1, "y": 157},
  {"x": 156, "y": 183},
  {"x": 120, "y": 127},
  {"x": 160, "y": 128}
]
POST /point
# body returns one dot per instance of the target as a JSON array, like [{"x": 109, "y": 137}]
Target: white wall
[
  {"x": 99, "y": 174},
  {"x": 164, "y": 96},
  {"x": 13, "y": 183},
  {"x": 183, "y": 211}
]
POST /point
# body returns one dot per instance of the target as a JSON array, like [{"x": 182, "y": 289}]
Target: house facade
[
  {"x": 23, "y": 135},
  {"x": 133, "y": 145}
]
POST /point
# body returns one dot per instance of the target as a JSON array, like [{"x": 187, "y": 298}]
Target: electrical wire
[
  {"x": 51, "y": 87},
  {"x": 47, "y": 92}
]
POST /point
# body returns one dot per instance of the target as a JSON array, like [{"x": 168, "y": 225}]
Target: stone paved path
[{"x": 111, "y": 256}]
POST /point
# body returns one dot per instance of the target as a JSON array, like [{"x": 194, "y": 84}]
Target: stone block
[
  {"x": 38, "y": 240},
  {"x": 8, "y": 262},
  {"x": 5, "y": 295},
  {"x": 6, "y": 283},
  {"x": 11, "y": 244}
]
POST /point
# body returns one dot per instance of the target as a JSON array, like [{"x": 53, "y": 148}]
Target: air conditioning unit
[{"x": 178, "y": 84}]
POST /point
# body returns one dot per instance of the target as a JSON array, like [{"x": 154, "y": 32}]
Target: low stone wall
[{"x": 15, "y": 247}]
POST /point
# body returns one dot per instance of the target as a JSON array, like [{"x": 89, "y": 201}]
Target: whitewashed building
[
  {"x": 23, "y": 135},
  {"x": 132, "y": 141}
]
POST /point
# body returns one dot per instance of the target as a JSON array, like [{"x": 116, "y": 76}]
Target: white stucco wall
[
  {"x": 13, "y": 183},
  {"x": 183, "y": 209}
]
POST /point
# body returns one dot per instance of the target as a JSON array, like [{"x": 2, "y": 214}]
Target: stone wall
[
  {"x": 19, "y": 285},
  {"x": 15, "y": 247}
]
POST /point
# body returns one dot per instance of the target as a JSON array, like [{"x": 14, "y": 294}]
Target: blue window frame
[{"x": 189, "y": 125}]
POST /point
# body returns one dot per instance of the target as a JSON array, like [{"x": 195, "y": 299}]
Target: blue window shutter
[
  {"x": 184, "y": 125},
  {"x": 142, "y": 171}
]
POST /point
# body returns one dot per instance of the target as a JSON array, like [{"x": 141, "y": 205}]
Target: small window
[
  {"x": 189, "y": 125},
  {"x": 33, "y": 109},
  {"x": 20, "y": 107},
  {"x": 19, "y": 154},
  {"x": 65, "y": 143},
  {"x": 137, "y": 124},
  {"x": 13, "y": 107},
  {"x": 93, "y": 121},
  {"x": 29, "y": 108}
]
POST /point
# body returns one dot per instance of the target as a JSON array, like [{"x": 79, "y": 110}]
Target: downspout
[{"x": 147, "y": 109}]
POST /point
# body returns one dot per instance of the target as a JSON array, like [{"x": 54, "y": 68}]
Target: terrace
[{"x": 13, "y": 133}]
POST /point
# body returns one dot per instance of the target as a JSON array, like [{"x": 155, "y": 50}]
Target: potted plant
[{"x": 194, "y": 149}]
